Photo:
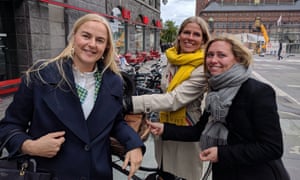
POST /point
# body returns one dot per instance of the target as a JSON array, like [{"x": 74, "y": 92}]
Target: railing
[{"x": 9, "y": 86}]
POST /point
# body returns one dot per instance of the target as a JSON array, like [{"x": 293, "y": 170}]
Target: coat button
[
  {"x": 83, "y": 178},
  {"x": 87, "y": 147}
]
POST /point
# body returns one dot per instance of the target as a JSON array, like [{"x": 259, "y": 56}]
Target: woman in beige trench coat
[{"x": 184, "y": 84}]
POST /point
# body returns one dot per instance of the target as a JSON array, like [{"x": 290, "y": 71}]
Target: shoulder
[
  {"x": 113, "y": 81},
  {"x": 45, "y": 71},
  {"x": 255, "y": 86},
  {"x": 199, "y": 69}
]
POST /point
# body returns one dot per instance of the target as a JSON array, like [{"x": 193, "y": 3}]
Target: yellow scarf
[{"x": 187, "y": 62}]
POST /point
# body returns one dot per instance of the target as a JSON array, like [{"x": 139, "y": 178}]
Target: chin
[{"x": 188, "y": 50}]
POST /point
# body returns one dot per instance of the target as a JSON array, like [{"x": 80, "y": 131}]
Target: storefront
[{"x": 37, "y": 29}]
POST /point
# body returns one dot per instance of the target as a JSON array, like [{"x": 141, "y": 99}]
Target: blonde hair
[
  {"x": 108, "y": 55},
  {"x": 203, "y": 26},
  {"x": 240, "y": 52}
]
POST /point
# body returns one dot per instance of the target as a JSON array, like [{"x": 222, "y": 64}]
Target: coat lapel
[
  {"x": 66, "y": 105},
  {"x": 106, "y": 109},
  {"x": 68, "y": 109}
]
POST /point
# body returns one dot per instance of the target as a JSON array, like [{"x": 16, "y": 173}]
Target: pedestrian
[
  {"x": 123, "y": 62},
  {"x": 279, "y": 51},
  {"x": 239, "y": 131},
  {"x": 69, "y": 106},
  {"x": 184, "y": 85}
]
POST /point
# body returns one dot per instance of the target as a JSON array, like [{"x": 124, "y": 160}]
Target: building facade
[
  {"x": 280, "y": 20},
  {"x": 37, "y": 29}
]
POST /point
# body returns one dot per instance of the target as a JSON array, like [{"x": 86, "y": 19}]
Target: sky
[{"x": 177, "y": 10}]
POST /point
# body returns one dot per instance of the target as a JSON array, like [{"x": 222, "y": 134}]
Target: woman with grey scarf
[{"x": 239, "y": 132}]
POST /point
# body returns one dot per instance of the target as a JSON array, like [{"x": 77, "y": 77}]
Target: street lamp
[
  {"x": 164, "y": 2},
  {"x": 211, "y": 24}
]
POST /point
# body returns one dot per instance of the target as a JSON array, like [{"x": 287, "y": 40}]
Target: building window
[
  {"x": 138, "y": 38},
  {"x": 118, "y": 31}
]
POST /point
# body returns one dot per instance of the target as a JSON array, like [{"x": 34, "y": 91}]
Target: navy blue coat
[
  {"x": 44, "y": 108},
  {"x": 254, "y": 139}
]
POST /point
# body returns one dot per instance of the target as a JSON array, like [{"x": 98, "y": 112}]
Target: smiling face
[
  {"x": 219, "y": 57},
  {"x": 90, "y": 42},
  {"x": 190, "y": 38}
]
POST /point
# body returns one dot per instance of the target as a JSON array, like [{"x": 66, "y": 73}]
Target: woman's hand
[
  {"x": 46, "y": 146},
  {"x": 135, "y": 158},
  {"x": 156, "y": 128},
  {"x": 209, "y": 154}
]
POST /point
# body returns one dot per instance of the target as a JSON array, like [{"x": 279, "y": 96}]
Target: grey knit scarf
[{"x": 222, "y": 90}]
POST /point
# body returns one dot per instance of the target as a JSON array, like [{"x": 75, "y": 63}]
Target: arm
[
  {"x": 182, "y": 95},
  {"x": 179, "y": 133},
  {"x": 17, "y": 116},
  {"x": 134, "y": 146}
]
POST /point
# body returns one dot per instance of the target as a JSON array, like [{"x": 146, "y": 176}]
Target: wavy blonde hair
[
  {"x": 240, "y": 52},
  {"x": 203, "y": 26},
  {"x": 108, "y": 55}
]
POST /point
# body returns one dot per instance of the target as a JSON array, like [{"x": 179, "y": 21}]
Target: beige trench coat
[{"x": 179, "y": 158}]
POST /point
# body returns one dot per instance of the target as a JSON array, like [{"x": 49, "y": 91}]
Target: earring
[{"x": 72, "y": 52}]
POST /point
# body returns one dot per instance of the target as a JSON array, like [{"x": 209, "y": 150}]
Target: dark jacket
[
  {"x": 254, "y": 139},
  {"x": 86, "y": 153}
]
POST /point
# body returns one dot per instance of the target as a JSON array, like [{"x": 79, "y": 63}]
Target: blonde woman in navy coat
[
  {"x": 239, "y": 132},
  {"x": 71, "y": 105}
]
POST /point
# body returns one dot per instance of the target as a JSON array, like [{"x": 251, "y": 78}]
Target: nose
[
  {"x": 92, "y": 42},
  {"x": 212, "y": 59},
  {"x": 190, "y": 36}
]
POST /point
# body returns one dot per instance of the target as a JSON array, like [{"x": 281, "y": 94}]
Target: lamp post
[
  {"x": 211, "y": 24},
  {"x": 164, "y": 2}
]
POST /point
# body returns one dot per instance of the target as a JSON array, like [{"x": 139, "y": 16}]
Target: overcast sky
[{"x": 177, "y": 10}]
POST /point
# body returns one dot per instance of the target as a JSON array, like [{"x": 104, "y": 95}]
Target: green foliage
[{"x": 169, "y": 32}]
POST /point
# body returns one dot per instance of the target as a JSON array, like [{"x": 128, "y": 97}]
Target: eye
[
  {"x": 85, "y": 36},
  {"x": 186, "y": 32},
  {"x": 221, "y": 55},
  {"x": 101, "y": 40},
  {"x": 210, "y": 55},
  {"x": 197, "y": 34}
]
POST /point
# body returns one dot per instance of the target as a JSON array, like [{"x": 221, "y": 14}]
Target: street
[{"x": 284, "y": 76}]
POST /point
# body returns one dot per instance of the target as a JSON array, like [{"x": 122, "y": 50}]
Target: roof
[{"x": 215, "y": 7}]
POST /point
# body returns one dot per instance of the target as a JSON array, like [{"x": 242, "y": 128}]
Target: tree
[{"x": 169, "y": 32}]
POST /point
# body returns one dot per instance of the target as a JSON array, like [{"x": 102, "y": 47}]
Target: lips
[
  {"x": 188, "y": 44},
  {"x": 89, "y": 51}
]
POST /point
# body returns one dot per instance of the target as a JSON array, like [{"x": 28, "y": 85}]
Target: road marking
[
  {"x": 289, "y": 113},
  {"x": 278, "y": 90},
  {"x": 292, "y": 85},
  {"x": 295, "y": 150}
]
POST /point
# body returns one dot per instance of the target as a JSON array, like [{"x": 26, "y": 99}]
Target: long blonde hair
[
  {"x": 203, "y": 26},
  {"x": 108, "y": 55}
]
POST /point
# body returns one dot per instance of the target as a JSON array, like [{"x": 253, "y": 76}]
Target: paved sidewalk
[
  {"x": 149, "y": 160},
  {"x": 4, "y": 102}
]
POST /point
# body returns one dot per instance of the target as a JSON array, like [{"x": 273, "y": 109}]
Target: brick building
[
  {"x": 36, "y": 29},
  {"x": 281, "y": 19}
]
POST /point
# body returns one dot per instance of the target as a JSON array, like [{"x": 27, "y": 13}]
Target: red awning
[
  {"x": 158, "y": 23},
  {"x": 125, "y": 13},
  {"x": 145, "y": 19}
]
